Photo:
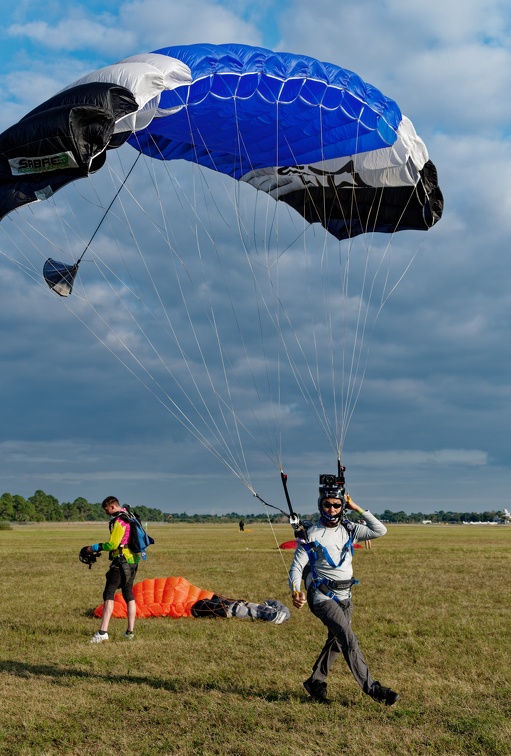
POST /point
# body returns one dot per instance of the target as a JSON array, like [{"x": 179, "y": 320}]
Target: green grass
[{"x": 432, "y": 613}]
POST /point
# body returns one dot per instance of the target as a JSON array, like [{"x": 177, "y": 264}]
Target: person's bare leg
[
  {"x": 108, "y": 608},
  {"x": 132, "y": 613}
]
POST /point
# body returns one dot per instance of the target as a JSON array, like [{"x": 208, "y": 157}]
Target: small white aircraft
[{"x": 506, "y": 515}]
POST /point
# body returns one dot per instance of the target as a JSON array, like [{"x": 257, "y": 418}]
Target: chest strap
[{"x": 317, "y": 551}]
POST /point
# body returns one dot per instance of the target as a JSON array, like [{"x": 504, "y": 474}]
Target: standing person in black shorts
[{"x": 122, "y": 569}]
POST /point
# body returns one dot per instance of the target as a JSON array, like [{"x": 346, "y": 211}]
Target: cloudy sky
[{"x": 430, "y": 428}]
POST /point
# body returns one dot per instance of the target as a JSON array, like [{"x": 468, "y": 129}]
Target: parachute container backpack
[{"x": 140, "y": 540}]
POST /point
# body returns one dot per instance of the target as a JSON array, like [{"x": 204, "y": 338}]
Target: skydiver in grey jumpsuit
[{"x": 324, "y": 561}]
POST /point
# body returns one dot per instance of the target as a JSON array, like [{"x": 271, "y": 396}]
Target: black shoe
[
  {"x": 316, "y": 690},
  {"x": 383, "y": 695}
]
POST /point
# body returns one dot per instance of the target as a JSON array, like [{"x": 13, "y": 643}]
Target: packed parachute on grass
[{"x": 175, "y": 597}]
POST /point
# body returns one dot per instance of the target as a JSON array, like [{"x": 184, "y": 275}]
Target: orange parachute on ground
[
  {"x": 160, "y": 597},
  {"x": 176, "y": 597}
]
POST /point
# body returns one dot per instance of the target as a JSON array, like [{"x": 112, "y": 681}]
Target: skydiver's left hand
[
  {"x": 299, "y": 599},
  {"x": 350, "y": 504}
]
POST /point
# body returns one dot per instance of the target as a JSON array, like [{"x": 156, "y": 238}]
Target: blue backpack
[{"x": 139, "y": 539}]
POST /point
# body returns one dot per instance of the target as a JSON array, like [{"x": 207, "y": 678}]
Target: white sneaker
[
  {"x": 99, "y": 637},
  {"x": 128, "y": 635}
]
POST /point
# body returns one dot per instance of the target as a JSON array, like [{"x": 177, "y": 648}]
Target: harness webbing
[
  {"x": 124, "y": 517},
  {"x": 315, "y": 551}
]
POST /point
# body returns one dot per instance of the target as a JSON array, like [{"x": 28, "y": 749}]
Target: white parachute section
[{"x": 146, "y": 76}]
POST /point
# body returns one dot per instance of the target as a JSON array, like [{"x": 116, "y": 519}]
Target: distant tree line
[
  {"x": 231, "y": 517},
  {"x": 43, "y": 507},
  {"x": 387, "y": 516},
  {"x": 441, "y": 516}
]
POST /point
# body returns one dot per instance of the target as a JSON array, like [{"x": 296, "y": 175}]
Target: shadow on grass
[{"x": 174, "y": 685}]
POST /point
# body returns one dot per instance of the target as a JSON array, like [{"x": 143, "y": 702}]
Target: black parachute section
[
  {"x": 63, "y": 139},
  {"x": 357, "y": 208}
]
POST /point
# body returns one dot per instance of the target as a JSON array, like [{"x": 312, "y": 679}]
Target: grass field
[{"x": 432, "y": 613}]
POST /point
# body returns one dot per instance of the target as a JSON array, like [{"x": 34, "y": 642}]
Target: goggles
[{"x": 330, "y": 505}]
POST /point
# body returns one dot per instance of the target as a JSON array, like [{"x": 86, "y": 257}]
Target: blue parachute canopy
[
  {"x": 249, "y": 108},
  {"x": 308, "y": 133}
]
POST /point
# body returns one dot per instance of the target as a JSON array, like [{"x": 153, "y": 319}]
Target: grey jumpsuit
[{"x": 335, "y": 613}]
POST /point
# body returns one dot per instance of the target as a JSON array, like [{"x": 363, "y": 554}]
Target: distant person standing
[
  {"x": 122, "y": 569},
  {"x": 242, "y": 526}
]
